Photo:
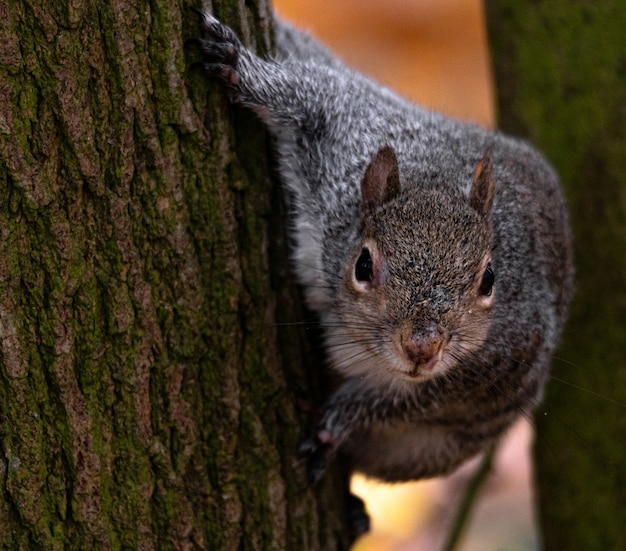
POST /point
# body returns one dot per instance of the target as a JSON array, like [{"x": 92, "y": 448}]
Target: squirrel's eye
[
  {"x": 486, "y": 285},
  {"x": 363, "y": 270}
]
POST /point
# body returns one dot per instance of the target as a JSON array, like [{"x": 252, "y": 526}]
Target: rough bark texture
[
  {"x": 561, "y": 77},
  {"x": 146, "y": 392}
]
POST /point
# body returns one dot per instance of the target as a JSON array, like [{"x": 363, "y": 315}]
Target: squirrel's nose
[{"x": 422, "y": 346}]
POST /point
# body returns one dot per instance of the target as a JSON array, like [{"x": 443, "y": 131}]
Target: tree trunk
[
  {"x": 561, "y": 76},
  {"x": 146, "y": 386}
]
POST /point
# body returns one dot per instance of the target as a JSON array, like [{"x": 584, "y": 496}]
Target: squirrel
[{"x": 436, "y": 253}]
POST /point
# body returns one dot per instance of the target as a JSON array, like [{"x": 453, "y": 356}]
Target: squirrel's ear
[
  {"x": 382, "y": 179},
  {"x": 483, "y": 185}
]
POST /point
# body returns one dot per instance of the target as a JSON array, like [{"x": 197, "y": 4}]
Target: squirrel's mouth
[
  {"x": 428, "y": 366},
  {"x": 427, "y": 369}
]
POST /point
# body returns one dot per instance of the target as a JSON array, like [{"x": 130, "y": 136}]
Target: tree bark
[
  {"x": 146, "y": 385},
  {"x": 561, "y": 76}
]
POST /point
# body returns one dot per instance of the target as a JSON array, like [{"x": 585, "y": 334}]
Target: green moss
[{"x": 141, "y": 246}]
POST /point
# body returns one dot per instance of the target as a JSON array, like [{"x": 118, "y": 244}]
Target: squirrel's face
[{"x": 417, "y": 293}]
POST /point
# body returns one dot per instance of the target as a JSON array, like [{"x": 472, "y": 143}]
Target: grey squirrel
[{"x": 437, "y": 255}]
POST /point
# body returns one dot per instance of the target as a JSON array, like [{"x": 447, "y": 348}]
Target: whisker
[
  {"x": 541, "y": 408},
  {"x": 522, "y": 412}
]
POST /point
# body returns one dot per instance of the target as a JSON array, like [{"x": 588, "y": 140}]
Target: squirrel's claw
[
  {"x": 220, "y": 50},
  {"x": 215, "y": 30},
  {"x": 318, "y": 458},
  {"x": 216, "y": 52},
  {"x": 318, "y": 453}
]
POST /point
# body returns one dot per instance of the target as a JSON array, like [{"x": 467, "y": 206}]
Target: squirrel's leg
[
  {"x": 352, "y": 408},
  {"x": 272, "y": 89}
]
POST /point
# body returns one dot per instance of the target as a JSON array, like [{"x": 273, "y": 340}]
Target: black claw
[
  {"x": 316, "y": 468},
  {"x": 203, "y": 19},
  {"x": 358, "y": 518},
  {"x": 317, "y": 456},
  {"x": 190, "y": 43},
  {"x": 307, "y": 448},
  {"x": 218, "y": 51},
  {"x": 211, "y": 26},
  {"x": 226, "y": 73},
  {"x": 211, "y": 68},
  {"x": 318, "y": 462},
  {"x": 195, "y": 10}
]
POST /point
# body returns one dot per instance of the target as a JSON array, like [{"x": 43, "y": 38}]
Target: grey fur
[{"x": 430, "y": 248}]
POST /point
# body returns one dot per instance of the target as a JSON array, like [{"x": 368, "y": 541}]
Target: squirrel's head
[{"x": 418, "y": 292}]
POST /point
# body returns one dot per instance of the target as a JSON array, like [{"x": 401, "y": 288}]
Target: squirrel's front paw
[
  {"x": 220, "y": 49},
  {"x": 318, "y": 450}
]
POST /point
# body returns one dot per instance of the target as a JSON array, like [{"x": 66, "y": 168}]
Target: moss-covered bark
[
  {"x": 146, "y": 393},
  {"x": 561, "y": 77}
]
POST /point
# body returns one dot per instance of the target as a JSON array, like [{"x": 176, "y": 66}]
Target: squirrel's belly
[{"x": 407, "y": 451}]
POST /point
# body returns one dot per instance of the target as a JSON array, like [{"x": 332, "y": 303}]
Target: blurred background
[{"x": 433, "y": 52}]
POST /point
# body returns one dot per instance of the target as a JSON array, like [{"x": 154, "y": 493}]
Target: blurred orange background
[{"x": 433, "y": 52}]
